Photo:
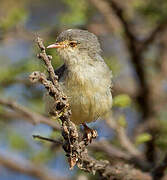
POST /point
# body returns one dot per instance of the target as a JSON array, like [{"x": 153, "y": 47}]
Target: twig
[
  {"x": 123, "y": 138},
  {"x": 47, "y": 139},
  {"x": 153, "y": 35},
  {"x": 109, "y": 16},
  {"x": 129, "y": 31},
  {"x": 111, "y": 151},
  {"x": 31, "y": 116},
  {"x": 29, "y": 168},
  {"x": 47, "y": 61}
]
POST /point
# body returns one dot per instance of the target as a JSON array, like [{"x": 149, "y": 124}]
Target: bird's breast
[{"x": 88, "y": 90}]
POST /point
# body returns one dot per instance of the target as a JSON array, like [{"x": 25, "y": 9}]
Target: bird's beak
[{"x": 57, "y": 45}]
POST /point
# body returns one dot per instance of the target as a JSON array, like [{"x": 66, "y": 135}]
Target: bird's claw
[{"x": 89, "y": 135}]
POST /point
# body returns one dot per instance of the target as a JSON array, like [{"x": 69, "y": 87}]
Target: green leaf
[
  {"x": 142, "y": 138},
  {"x": 122, "y": 100}
]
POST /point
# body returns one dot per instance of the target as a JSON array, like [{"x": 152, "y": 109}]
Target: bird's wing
[{"x": 60, "y": 71}]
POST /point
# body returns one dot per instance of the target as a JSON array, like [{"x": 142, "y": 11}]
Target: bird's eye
[{"x": 73, "y": 43}]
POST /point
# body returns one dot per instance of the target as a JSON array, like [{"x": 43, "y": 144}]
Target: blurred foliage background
[{"x": 144, "y": 115}]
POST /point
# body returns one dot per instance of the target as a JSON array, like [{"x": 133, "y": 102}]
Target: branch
[
  {"x": 47, "y": 60},
  {"x": 123, "y": 138},
  {"x": 109, "y": 150},
  {"x": 109, "y": 16},
  {"x": 113, "y": 171},
  {"x": 112, "y": 11},
  {"x": 153, "y": 35},
  {"x": 31, "y": 116},
  {"x": 56, "y": 142},
  {"x": 28, "y": 168},
  {"x": 129, "y": 31}
]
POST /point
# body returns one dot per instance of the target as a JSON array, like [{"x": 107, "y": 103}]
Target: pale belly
[
  {"x": 88, "y": 100},
  {"x": 89, "y": 92},
  {"x": 89, "y": 106}
]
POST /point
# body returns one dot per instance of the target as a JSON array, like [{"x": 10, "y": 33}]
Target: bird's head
[{"x": 73, "y": 44}]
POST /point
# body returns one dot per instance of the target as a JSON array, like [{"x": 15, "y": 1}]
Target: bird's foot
[{"x": 89, "y": 134}]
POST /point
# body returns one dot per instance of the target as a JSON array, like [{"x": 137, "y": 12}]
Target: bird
[{"x": 84, "y": 77}]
